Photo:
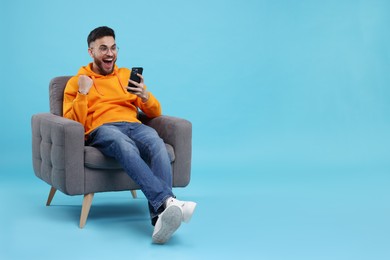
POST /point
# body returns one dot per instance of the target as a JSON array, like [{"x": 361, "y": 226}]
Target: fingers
[
  {"x": 138, "y": 88},
  {"x": 136, "y": 84},
  {"x": 85, "y": 84},
  {"x": 83, "y": 79},
  {"x": 135, "y": 90},
  {"x": 141, "y": 77}
]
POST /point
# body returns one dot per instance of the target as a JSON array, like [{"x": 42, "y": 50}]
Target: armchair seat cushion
[{"x": 94, "y": 159}]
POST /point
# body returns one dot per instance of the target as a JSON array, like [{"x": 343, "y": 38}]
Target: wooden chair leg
[
  {"x": 134, "y": 193},
  {"x": 87, "y": 202},
  {"x": 51, "y": 195}
]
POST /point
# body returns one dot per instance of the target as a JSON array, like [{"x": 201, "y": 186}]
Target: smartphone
[{"x": 134, "y": 77}]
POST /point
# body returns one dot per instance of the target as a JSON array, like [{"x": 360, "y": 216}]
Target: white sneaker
[
  {"x": 167, "y": 223},
  {"x": 187, "y": 208}
]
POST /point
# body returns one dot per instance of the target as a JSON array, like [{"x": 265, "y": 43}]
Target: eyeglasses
[{"x": 103, "y": 49}]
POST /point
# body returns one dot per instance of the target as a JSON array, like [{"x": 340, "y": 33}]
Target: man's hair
[{"x": 100, "y": 32}]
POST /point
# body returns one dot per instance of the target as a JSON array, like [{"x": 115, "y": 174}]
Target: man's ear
[{"x": 90, "y": 52}]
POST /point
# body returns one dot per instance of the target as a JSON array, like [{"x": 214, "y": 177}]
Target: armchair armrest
[
  {"x": 178, "y": 133},
  {"x": 58, "y": 152}
]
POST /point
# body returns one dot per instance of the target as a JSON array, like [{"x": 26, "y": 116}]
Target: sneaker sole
[{"x": 170, "y": 222}]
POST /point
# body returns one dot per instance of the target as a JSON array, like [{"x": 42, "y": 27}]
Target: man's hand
[
  {"x": 85, "y": 84},
  {"x": 139, "y": 90}
]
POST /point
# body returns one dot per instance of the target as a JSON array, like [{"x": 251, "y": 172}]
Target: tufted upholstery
[
  {"x": 58, "y": 152},
  {"x": 61, "y": 159}
]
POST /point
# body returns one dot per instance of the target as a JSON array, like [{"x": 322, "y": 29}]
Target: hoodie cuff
[
  {"x": 81, "y": 97},
  {"x": 151, "y": 101}
]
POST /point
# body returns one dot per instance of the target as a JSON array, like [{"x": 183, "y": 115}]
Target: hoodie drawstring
[
  {"x": 123, "y": 88},
  {"x": 94, "y": 85}
]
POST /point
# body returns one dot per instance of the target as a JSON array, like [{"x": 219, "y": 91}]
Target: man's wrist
[
  {"x": 145, "y": 99},
  {"x": 82, "y": 93}
]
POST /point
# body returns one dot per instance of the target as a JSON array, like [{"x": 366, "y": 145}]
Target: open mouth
[
  {"x": 108, "y": 63},
  {"x": 105, "y": 64}
]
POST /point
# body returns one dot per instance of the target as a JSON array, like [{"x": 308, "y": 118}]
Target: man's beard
[{"x": 100, "y": 66}]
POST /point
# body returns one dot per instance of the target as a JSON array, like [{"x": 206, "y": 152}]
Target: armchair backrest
[{"x": 56, "y": 94}]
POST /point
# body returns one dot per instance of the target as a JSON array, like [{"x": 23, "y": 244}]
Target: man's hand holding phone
[{"x": 136, "y": 84}]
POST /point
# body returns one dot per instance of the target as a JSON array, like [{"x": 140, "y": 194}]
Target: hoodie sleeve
[
  {"x": 75, "y": 106},
  {"x": 151, "y": 108}
]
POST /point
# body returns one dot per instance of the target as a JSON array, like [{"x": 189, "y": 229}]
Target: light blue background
[{"x": 289, "y": 102}]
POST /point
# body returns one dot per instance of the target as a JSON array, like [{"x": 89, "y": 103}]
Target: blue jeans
[{"x": 142, "y": 154}]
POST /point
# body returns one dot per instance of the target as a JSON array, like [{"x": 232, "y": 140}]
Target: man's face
[{"x": 104, "y": 54}]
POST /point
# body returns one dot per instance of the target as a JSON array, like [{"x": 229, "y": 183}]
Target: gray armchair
[{"x": 61, "y": 159}]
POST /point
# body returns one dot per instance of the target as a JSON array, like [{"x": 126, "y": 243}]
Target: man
[{"x": 99, "y": 98}]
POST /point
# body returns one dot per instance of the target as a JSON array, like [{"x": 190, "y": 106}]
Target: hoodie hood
[{"x": 87, "y": 70}]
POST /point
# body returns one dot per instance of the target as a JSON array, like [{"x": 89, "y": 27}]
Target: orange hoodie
[{"x": 107, "y": 101}]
